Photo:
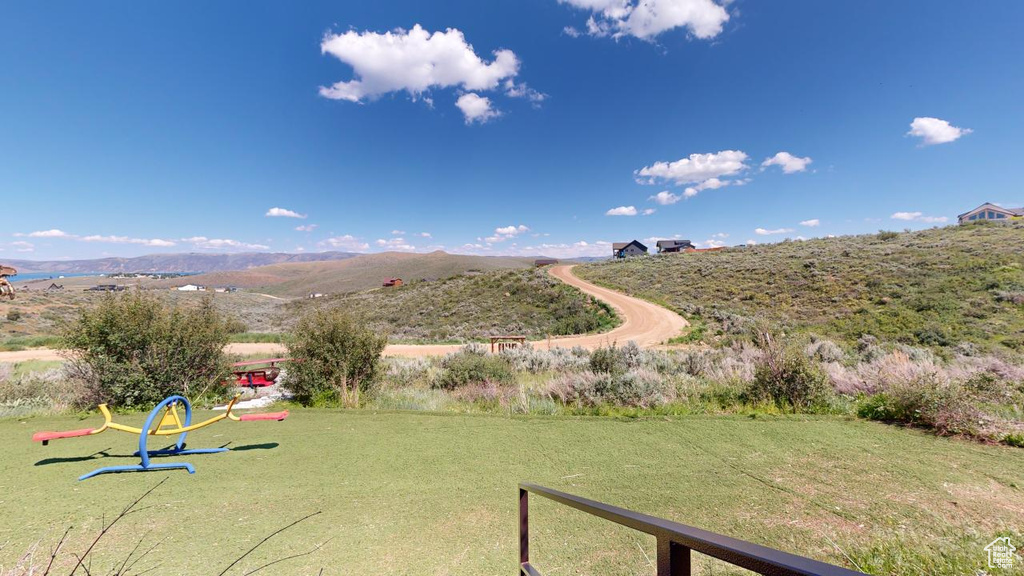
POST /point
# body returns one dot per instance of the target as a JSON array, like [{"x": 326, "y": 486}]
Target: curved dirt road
[{"x": 642, "y": 322}]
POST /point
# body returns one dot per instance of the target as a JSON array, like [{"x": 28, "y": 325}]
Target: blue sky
[{"x": 506, "y": 127}]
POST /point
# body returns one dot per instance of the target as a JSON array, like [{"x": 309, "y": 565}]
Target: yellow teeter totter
[{"x": 170, "y": 423}]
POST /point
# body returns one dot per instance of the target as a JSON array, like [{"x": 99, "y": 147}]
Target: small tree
[
  {"x": 336, "y": 357},
  {"x": 785, "y": 377},
  {"x": 133, "y": 349}
]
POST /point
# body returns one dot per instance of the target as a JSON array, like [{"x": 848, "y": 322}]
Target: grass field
[
  {"x": 405, "y": 493},
  {"x": 957, "y": 287}
]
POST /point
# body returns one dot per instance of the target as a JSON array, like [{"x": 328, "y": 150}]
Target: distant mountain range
[{"x": 173, "y": 262}]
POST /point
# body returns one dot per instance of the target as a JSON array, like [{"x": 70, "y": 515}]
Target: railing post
[
  {"x": 673, "y": 559},
  {"x": 524, "y": 527}
]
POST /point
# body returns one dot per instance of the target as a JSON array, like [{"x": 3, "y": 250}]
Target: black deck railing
[{"x": 675, "y": 541}]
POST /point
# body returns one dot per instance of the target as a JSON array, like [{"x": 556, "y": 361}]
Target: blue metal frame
[{"x": 145, "y": 454}]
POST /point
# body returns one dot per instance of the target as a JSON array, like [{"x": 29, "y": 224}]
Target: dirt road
[{"x": 642, "y": 322}]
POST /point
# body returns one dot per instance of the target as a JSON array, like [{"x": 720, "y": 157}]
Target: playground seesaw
[{"x": 170, "y": 423}]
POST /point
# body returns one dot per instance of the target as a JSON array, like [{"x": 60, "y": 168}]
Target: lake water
[{"x": 47, "y": 275}]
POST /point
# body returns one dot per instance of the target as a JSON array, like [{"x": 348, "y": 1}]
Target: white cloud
[
  {"x": 935, "y": 131},
  {"x": 521, "y": 90},
  {"x": 345, "y": 242},
  {"x": 766, "y": 232},
  {"x": 665, "y": 198},
  {"x": 157, "y": 242},
  {"x": 307, "y": 227},
  {"x": 283, "y": 213},
  {"x": 622, "y": 211},
  {"x": 413, "y": 61},
  {"x": 204, "y": 243},
  {"x": 476, "y": 108},
  {"x": 50, "y": 234},
  {"x": 790, "y": 164},
  {"x": 706, "y": 169},
  {"x": 398, "y": 232},
  {"x": 22, "y": 246},
  {"x": 751, "y": 242},
  {"x": 504, "y": 233},
  {"x": 812, "y": 223},
  {"x": 425, "y": 235},
  {"x": 395, "y": 244},
  {"x": 918, "y": 217},
  {"x": 646, "y": 19},
  {"x": 648, "y": 211}
]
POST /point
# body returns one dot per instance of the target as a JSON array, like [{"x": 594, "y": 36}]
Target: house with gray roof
[
  {"x": 989, "y": 211},
  {"x": 627, "y": 249}
]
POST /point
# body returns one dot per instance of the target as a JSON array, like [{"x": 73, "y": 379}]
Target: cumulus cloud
[
  {"x": 156, "y": 242},
  {"x": 395, "y": 244},
  {"x": 204, "y": 243},
  {"x": 790, "y": 164},
  {"x": 704, "y": 170},
  {"x": 283, "y": 213},
  {"x": 767, "y": 232},
  {"x": 307, "y": 227},
  {"x": 622, "y": 211},
  {"x": 646, "y": 19},
  {"x": 54, "y": 233},
  {"x": 476, "y": 108},
  {"x": 665, "y": 198},
  {"x": 935, "y": 131},
  {"x": 812, "y": 223},
  {"x": 504, "y": 233},
  {"x": 425, "y": 235},
  {"x": 345, "y": 242},
  {"x": 918, "y": 217},
  {"x": 22, "y": 246},
  {"x": 417, "y": 61},
  {"x": 648, "y": 211}
]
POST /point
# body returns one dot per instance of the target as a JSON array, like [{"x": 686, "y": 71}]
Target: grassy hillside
[
  {"x": 939, "y": 287},
  {"x": 526, "y": 302},
  {"x": 354, "y": 274}
]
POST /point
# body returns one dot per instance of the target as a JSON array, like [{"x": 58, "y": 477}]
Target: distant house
[
  {"x": 191, "y": 288},
  {"x": 627, "y": 249},
  {"x": 55, "y": 287},
  {"x": 544, "y": 262},
  {"x": 107, "y": 288},
  {"x": 669, "y": 246},
  {"x": 315, "y": 295},
  {"x": 989, "y": 211},
  {"x": 392, "y": 282}
]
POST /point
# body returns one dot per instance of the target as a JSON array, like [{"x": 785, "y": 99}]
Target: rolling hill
[
  {"x": 360, "y": 272},
  {"x": 957, "y": 286}
]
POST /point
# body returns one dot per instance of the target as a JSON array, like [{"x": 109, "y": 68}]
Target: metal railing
[{"x": 675, "y": 541}]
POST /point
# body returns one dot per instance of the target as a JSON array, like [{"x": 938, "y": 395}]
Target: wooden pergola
[{"x": 506, "y": 342}]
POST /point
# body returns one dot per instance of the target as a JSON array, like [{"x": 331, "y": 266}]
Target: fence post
[
  {"x": 673, "y": 559},
  {"x": 524, "y": 527}
]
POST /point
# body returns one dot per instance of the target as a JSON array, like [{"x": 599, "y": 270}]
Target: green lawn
[{"x": 412, "y": 493}]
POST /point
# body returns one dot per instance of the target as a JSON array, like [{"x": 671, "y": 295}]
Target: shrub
[
  {"x": 945, "y": 407},
  {"x": 14, "y": 315},
  {"x": 638, "y": 388},
  {"x": 785, "y": 378},
  {"x": 825, "y": 351},
  {"x": 337, "y": 358},
  {"x": 133, "y": 350},
  {"x": 473, "y": 365}
]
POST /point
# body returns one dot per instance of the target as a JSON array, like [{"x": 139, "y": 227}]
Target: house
[
  {"x": 544, "y": 262},
  {"x": 313, "y": 295},
  {"x": 54, "y": 287},
  {"x": 191, "y": 288},
  {"x": 107, "y": 288},
  {"x": 392, "y": 282},
  {"x": 626, "y": 249},
  {"x": 669, "y": 246},
  {"x": 989, "y": 211}
]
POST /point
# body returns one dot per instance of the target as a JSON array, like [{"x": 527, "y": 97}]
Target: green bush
[
  {"x": 133, "y": 350},
  {"x": 14, "y": 315},
  {"x": 947, "y": 408},
  {"x": 473, "y": 365},
  {"x": 785, "y": 377},
  {"x": 337, "y": 358}
]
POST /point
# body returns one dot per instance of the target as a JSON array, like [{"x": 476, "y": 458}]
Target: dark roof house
[
  {"x": 626, "y": 249},
  {"x": 667, "y": 246},
  {"x": 544, "y": 262}
]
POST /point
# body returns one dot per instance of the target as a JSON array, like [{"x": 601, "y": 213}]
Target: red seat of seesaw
[
  {"x": 45, "y": 437},
  {"x": 264, "y": 416}
]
